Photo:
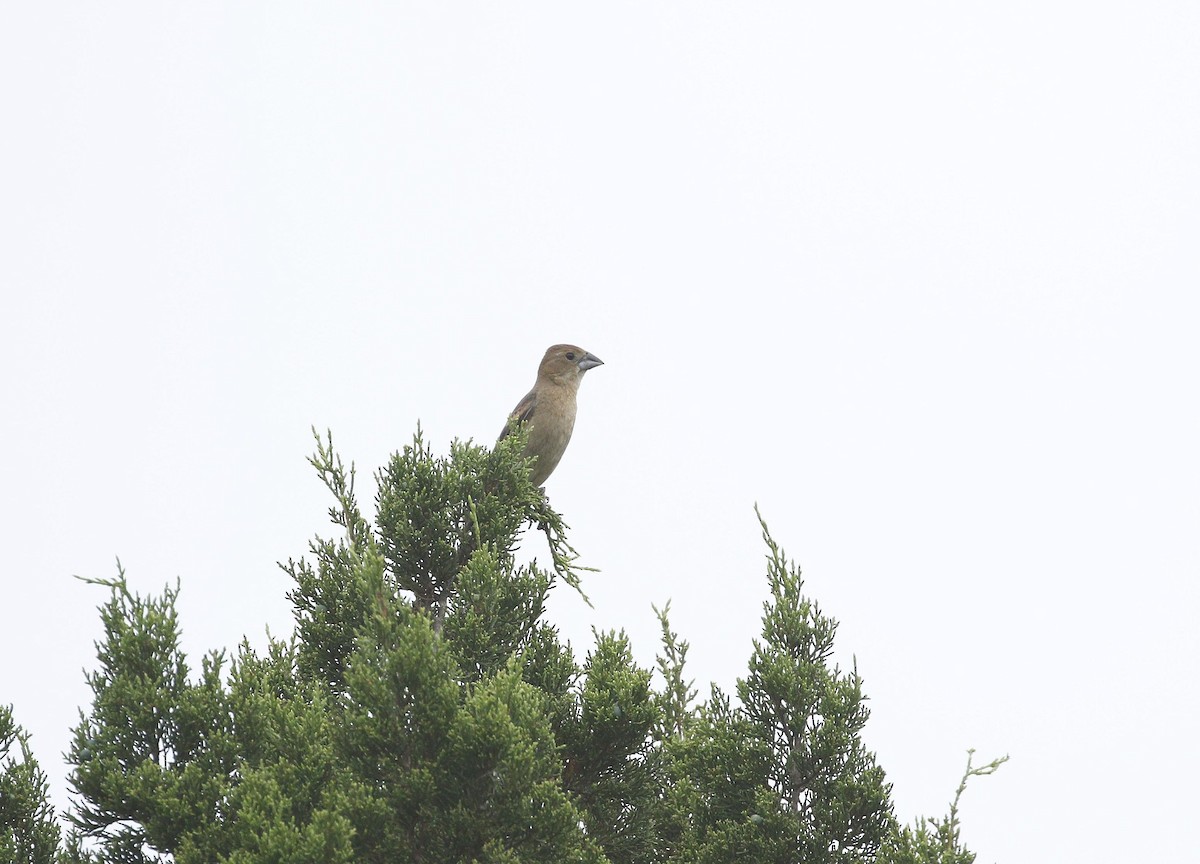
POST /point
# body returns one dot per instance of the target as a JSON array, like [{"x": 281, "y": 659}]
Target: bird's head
[{"x": 566, "y": 364}]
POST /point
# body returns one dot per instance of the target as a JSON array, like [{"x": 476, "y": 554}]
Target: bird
[{"x": 548, "y": 410}]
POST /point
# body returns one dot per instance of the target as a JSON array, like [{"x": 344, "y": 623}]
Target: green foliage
[
  {"x": 425, "y": 710},
  {"x": 783, "y": 776},
  {"x": 933, "y": 840},
  {"x": 606, "y": 748},
  {"x": 809, "y": 716},
  {"x": 145, "y": 760},
  {"x": 28, "y": 832},
  {"x": 677, "y": 697}
]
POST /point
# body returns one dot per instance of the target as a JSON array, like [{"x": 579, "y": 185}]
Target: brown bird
[{"x": 548, "y": 410}]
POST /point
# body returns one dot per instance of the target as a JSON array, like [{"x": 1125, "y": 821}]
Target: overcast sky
[{"x": 921, "y": 279}]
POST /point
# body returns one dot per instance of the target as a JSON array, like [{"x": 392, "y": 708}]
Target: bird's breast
[{"x": 549, "y": 433}]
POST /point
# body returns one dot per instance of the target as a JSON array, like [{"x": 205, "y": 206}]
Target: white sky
[{"x": 921, "y": 279}]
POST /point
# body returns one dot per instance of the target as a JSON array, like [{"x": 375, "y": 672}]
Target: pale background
[{"x": 921, "y": 279}]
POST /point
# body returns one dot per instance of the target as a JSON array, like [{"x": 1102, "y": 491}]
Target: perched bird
[{"x": 548, "y": 410}]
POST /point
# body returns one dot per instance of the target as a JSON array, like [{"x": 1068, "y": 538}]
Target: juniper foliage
[{"x": 425, "y": 709}]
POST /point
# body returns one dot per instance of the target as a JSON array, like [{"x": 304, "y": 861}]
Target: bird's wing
[{"x": 523, "y": 413}]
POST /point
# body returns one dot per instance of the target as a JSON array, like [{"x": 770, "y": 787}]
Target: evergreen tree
[
  {"x": 425, "y": 710},
  {"x": 784, "y": 775},
  {"x": 28, "y": 830},
  {"x": 934, "y": 840}
]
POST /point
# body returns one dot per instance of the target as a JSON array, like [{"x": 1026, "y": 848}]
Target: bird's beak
[{"x": 589, "y": 361}]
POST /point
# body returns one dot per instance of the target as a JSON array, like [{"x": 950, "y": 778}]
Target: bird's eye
[{"x": 570, "y": 355}]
